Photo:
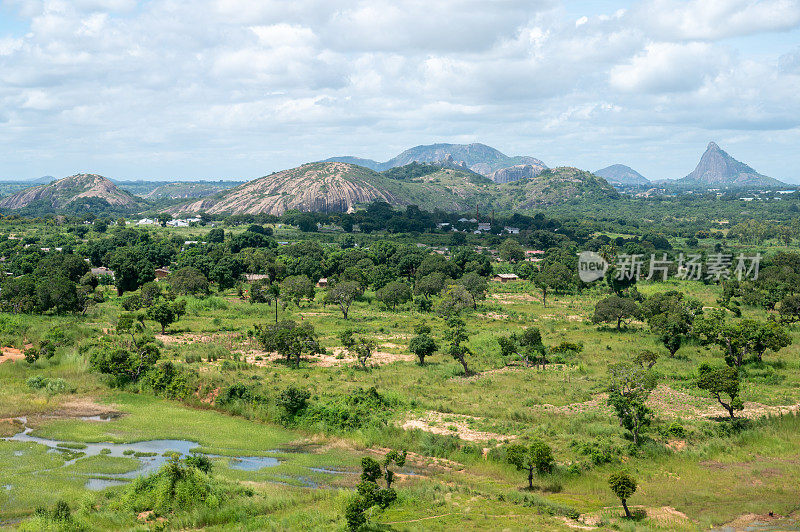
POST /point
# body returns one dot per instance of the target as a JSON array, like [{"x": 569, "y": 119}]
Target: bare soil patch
[
  {"x": 452, "y": 425},
  {"x": 11, "y": 354}
]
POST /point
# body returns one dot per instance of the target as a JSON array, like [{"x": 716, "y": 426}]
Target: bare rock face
[
  {"x": 516, "y": 173},
  {"x": 317, "y": 187},
  {"x": 718, "y": 168},
  {"x": 65, "y": 191}
]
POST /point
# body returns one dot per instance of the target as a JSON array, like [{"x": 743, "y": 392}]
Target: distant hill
[
  {"x": 340, "y": 187},
  {"x": 718, "y": 169},
  {"x": 623, "y": 175},
  {"x": 478, "y": 158},
  {"x": 554, "y": 186},
  {"x": 69, "y": 190},
  {"x": 188, "y": 189},
  {"x": 44, "y": 180},
  {"x": 323, "y": 187}
]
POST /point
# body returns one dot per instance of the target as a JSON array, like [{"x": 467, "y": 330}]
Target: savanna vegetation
[{"x": 367, "y": 371}]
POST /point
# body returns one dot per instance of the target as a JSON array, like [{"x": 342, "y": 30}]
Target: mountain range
[
  {"x": 479, "y": 158},
  {"x": 452, "y": 177}
]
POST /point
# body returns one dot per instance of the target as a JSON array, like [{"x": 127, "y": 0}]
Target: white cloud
[
  {"x": 669, "y": 67},
  {"x": 715, "y": 19},
  {"x": 238, "y": 87}
]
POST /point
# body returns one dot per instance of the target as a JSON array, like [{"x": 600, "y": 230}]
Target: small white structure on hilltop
[{"x": 146, "y": 221}]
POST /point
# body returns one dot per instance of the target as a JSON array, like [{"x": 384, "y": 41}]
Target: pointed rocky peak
[{"x": 718, "y": 168}]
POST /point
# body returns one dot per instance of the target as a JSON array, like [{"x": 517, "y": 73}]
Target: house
[
  {"x": 162, "y": 273},
  {"x": 442, "y": 225},
  {"x": 484, "y": 226},
  {"x": 146, "y": 221},
  {"x": 322, "y": 283},
  {"x": 102, "y": 270},
  {"x": 512, "y": 230},
  {"x": 250, "y": 277},
  {"x": 506, "y": 277}
]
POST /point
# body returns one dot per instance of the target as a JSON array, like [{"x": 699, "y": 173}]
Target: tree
[
  {"x": 647, "y": 359},
  {"x": 476, "y": 285},
  {"x": 290, "y": 340},
  {"x": 422, "y": 345},
  {"x": 343, "y": 294},
  {"x": 615, "y": 309},
  {"x": 740, "y": 338},
  {"x": 528, "y": 346},
  {"x": 430, "y": 284},
  {"x": 293, "y": 401},
  {"x": 534, "y": 457},
  {"x": 360, "y": 346},
  {"x": 511, "y": 250},
  {"x": 126, "y": 361},
  {"x": 553, "y": 276},
  {"x": 456, "y": 335},
  {"x": 623, "y": 485},
  {"x": 298, "y": 287},
  {"x": 629, "y": 387},
  {"x": 393, "y": 294},
  {"x": 789, "y": 309},
  {"x": 369, "y": 493},
  {"x": 216, "y": 235},
  {"x": 670, "y": 317},
  {"x": 165, "y": 312},
  {"x": 721, "y": 382},
  {"x": 189, "y": 281},
  {"x": 163, "y": 218},
  {"x": 454, "y": 301}
]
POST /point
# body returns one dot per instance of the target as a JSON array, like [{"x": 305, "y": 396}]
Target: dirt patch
[
  {"x": 340, "y": 357},
  {"x": 493, "y": 316},
  {"x": 677, "y": 445},
  {"x": 514, "y": 298},
  {"x": 11, "y": 354},
  {"x": 596, "y": 404},
  {"x": 746, "y": 521},
  {"x": 452, "y": 425},
  {"x": 674, "y": 404},
  {"x": 417, "y": 461},
  {"x": 82, "y": 407}
]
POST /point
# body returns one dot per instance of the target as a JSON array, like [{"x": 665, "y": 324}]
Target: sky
[{"x": 237, "y": 89}]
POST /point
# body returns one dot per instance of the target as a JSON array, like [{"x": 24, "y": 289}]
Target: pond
[{"x": 151, "y": 454}]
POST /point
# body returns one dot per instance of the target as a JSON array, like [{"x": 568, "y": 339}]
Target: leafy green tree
[
  {"x": 454, "y": 300},
  {"x": 723, "y": 384},
  {"x": 360, "y": 346},
  {"x": 216, "y": 235},
  {"x": 456, "y": 335},
  {"x": 290, "y": 340},
  {"x": 741, "y": 338},
  {"x": 393, "y": 294},
  {"x": 125, "y": 361},
  {"x": 293, "y": 401},
  {"x": 189, "y": 281},
  {"x": 537, "y": 456},
  {"x": 476, "y": 285},
  {"x": 296, "y": 288},
  {"x": 554, "y": 276},
  {"x": 163, "y": 218},
  {"x": 615, "y": 309},
  {"x": 430, "y": 284},
  {"x": 628, "y": 389},
  {"x": 789, "y": 309},
  {"x": 527, "y": 345},
  {"x": 511, "y": 250},
  {"x": 165, "y": 313},
  {"x": 422, "y": 345},
  {"x": 647, "y": 359},
  {"x": 344, "y": 294},
  {"x": 369, "y": 493},
  {"x": 623, "y": 485},
  {"x": 131, "y": 269}
]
